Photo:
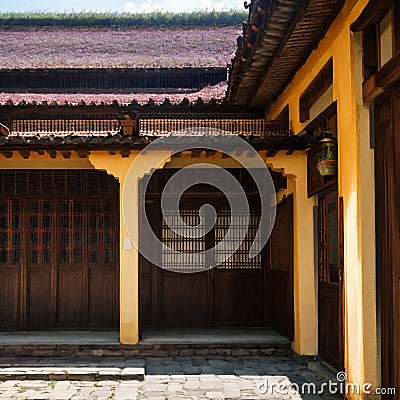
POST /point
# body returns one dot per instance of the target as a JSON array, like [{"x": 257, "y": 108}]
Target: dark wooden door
[
  {"x": 58, "y": 250},
  {"x": 103, "y": 261},
  {"x": 387, "y": 178},
  {"x": 72, "y": 266},
  {"x": 330, "y": 280},
  {"x": 11, "y": 263},
  {"x": 232, "y": 294},
  {"x": 280, "y": 274}
]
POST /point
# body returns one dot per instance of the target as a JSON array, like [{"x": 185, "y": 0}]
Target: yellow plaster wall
[
  {"x": 305, "y": 294},
  {"x": 129, "y": 258},
  {"x": 356, "y": 183}
]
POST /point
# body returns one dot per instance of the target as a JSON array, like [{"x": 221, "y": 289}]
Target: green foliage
[{"x": 117, "y": 19}]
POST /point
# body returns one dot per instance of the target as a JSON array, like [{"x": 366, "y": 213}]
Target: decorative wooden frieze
[
  {"x": 211, "y": 126},
  {"x": 315, "y": 90},
  {"x": 34, "y": 127}
]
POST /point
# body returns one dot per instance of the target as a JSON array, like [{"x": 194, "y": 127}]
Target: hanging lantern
[{"x": 327, "y": 161}]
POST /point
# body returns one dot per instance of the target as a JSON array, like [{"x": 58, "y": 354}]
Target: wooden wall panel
[
  {"x": 10, "y": 290},
  {"x": 102, "y": 297},
  {"x": 185, "y": 299},
  {"x": 280, "y": 274},
  {"x": 239, "y": 298},
  {"x": 39, "y": 294},
  {"x": 70, "y": 297}
]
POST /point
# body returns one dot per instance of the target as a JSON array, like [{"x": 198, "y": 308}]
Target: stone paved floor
[{"x": 176, "y": 378}]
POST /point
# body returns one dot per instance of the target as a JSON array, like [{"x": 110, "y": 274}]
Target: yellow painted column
[
  {"x": 129, "y": 255},
  {"x": 356, "y": 185},
  {"x": 294, "y": 167}
]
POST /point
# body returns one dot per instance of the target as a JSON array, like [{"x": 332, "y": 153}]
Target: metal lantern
[{"x": 327, "y": 162}]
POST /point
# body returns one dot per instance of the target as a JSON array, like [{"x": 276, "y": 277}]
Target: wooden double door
[
  {"x": 387, "y": 182},
  {"x": 58, "y": 255}
]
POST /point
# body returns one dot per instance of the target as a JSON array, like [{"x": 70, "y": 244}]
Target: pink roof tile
[
  {"x": 134, "y": 47},
  {"x": 216, "y": 92}
]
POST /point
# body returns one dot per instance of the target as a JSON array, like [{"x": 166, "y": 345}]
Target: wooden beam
[
  {"x": 210, "y": 153},
  {"x": 40, "y": 152},
  {"x": 125, "y": 153},
  {"x": 112, "y": 152},
  {"x": 372, "y": 13},
  {"x": 24, "y": 154},
  {"x": 65, "y": 154},
  {"x": 239, "y": 152},
  {"x": 52, "y": 153},
  {"x": 271, "y": 153},
  {"x": 82, "y": 153},
  {"x": 7, "y": 154},
  {"x": 195, "y": 153},
  {"x": 177, "y": 155}
]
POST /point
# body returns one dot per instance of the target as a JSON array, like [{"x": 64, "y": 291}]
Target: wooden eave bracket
[{"x": 4, "y": 131}]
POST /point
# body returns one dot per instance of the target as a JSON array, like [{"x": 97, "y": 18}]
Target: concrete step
[
  {"x": 324, "y": 371},
  {"x": 146, "y": 350}
]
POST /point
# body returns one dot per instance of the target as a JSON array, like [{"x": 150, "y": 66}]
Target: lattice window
[
  {"x": 10, "y": 231},
  {"x": 190, "y": 246},
  {"x": 102, "y": 231},
  {"x": 71, "y": 231},
  {"x": 39, "y": 231},
  {"x": 176, "y": 241},
  {"x": 240, "y": 258}
]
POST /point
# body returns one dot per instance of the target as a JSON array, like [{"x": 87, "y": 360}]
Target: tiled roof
[
  {"x": 134, "y": 47},
  {"x": 216, "y": 92}
]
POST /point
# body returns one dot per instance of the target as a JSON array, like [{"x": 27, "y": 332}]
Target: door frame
[{"x": 330, "y": 290}]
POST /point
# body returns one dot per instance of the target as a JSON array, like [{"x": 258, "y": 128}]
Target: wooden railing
[
  {"x": 200, "y": 127},
  {"x": 64, "y": 126},
  {"x": 151, "y": 127}
]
